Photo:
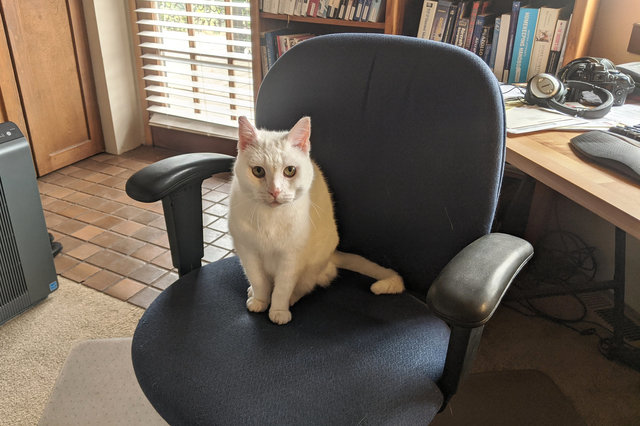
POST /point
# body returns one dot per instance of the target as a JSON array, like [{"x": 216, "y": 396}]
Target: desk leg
[{"x": 615, "y": 348}]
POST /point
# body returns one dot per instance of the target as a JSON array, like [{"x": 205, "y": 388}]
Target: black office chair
[{"x": 411, "y": 137}]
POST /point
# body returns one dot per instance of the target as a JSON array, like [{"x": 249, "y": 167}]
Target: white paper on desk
[
  {"x": 526, "y": 119},
  {"x": 627, "y": 114}
]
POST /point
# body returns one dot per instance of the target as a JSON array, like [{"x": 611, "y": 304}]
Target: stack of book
[
  {"x": 274, "y": 44},
  {"x": 350, "y": 10},
  {"x": 517, "y": 44}
]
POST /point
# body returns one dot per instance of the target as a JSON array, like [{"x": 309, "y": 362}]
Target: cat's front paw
[
  {"x": 255, "y": 305},
  {"x": 391, "y": 285},
  {"x": 279, "y": 317}
]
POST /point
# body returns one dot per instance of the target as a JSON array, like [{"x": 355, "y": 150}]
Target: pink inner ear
[
  {"x": 246, "y": 133},
  {"x": 300, "y": 134}
]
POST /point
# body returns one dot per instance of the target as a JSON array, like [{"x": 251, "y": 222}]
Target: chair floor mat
[
  {"x": 97, "y": 386},
  {"x": 516, "y": 397}
]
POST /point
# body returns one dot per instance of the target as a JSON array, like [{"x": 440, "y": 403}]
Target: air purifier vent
[
  {"x": 27, "y": 271},
  {"x": 14, "y": 296}
]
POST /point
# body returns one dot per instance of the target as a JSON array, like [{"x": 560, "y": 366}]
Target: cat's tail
[{"x": 389, "y": 282}]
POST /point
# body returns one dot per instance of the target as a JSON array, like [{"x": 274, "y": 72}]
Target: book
[
  {"x": 271, "y": 44},
  {"x": 482, "y": 20},
  {"x": 515, "y": 12},
  {"x": 556, "y": 46},
  {"x": 451, "y": 22},
  {"x": 547, "y": 18},
  {"x": 365, "y": 11},
  {"x": 475, "y": 9},
  {"x": 494, "y": 40},
  {"x": 563, "y": 50},
  {"x": 522, "y": 44},
  {"x": 287, "y": 41},
  {"x": 321, "y": 9},
  {"x": 427, "y": 18},
  {"x": 500, "y": 47},
  {"x": 378, "y": 8},
  {"x": 312, "y": 8},
  {"x": 440, "y": 20},
  {"x": 464, "y": 8},
  {"x": 460, "y": 37}
]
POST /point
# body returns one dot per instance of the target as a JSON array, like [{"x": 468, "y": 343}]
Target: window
[{"x": 196, "y": 62}]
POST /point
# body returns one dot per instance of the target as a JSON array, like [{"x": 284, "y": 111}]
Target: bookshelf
[
  {"x": 578, "y": 37},
  {"x": 262, "y": 21}
]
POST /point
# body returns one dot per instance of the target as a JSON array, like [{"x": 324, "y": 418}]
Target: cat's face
[{"x": 273, "y": 167}]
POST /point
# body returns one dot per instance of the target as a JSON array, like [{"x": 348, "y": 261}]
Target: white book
[
  {"x": 426, "y": 19},
  {"x": 543, "y": 37},
  {"x": 501, "y": 46}
]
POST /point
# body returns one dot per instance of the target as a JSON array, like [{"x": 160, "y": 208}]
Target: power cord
[{"x": 562, "y": 259}]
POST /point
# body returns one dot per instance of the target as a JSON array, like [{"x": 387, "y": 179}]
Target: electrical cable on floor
[{"x": 562, "y": 259}]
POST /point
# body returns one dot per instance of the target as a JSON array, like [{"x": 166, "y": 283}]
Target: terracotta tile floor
[{"x": 114, "y": 244}]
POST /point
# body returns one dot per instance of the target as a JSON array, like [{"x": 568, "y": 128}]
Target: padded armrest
[
  {"x": 177, "y": 181},
  {"x": 160, "y": 179},
  {"x": 470, "y": 287}
]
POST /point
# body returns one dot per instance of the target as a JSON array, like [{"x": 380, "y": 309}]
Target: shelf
[{"x": 323, "y": 21}]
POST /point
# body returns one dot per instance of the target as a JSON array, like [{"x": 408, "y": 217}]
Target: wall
[
  {"x": 109, "y": 33},
  {"x": 613, "y": 28}
]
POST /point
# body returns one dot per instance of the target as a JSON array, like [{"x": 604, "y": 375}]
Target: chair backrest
[{"x": 410, "y": 135}]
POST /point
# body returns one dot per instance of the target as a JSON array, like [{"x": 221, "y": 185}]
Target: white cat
[{"x": 282, "y": 223}]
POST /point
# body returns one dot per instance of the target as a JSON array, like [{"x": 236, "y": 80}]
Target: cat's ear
[
  {"x": 247, "y": 134},
  {"x": 300, "y": 134}
]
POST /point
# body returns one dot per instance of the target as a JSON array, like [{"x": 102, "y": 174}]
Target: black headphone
[{"x": 549, "y": 92}]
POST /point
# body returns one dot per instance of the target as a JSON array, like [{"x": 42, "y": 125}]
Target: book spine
[
  {"x": 463, "y": 8},
  {"x": 272, "y": 47},
  {"x": 427, "y": 18},
  {"x": 496, "y": 36},
  {"x": 501, "y": 47},
  {"x": 564, "y": 45},
  {"x": 475, "y": 9},
  {"x": 461, "y": 32},
  {"x": 377, "y": 11},
  {"x": 547, "y": 18},
  {"x": 485, "y": 39},
  {"x": 477, "y": 33},
  {"x": 515, "y": 12},
  {"x": 366, "y": 9},
  {"x": 522, "y": 45},
  {"x": 556, "y": 46},
  {"x": 451, "y": 22},
  {"x": 440, "y": 20}
]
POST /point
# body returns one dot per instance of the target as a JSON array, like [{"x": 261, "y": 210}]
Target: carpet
[
  {"x": 505, "y": 398},
  {"x": 97, "y": 386},
  {"x": 35, "y": 344}
]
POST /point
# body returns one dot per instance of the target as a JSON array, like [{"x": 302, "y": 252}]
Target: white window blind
[{"x": 196, "y": 61}]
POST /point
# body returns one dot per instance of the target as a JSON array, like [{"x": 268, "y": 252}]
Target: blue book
[
  {"x": 496, "y": 35},
  {"x": 522, "y": 44},
  {"x": 513, "y": 23}
]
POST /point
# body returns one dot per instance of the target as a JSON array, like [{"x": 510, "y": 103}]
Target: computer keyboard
[{"x": 632, "y": 132}]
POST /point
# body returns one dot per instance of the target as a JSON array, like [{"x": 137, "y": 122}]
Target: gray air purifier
[{"x": 27, "y": 272}]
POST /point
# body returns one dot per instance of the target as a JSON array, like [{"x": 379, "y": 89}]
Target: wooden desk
[{"x": 548, "y": 158}]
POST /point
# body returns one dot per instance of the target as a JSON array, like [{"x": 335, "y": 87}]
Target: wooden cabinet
[{"x": 47, "y": 85}]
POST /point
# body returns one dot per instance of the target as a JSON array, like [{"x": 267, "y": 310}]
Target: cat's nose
[{"x": 274, "y": 193}]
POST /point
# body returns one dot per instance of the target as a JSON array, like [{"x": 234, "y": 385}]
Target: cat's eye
[
  {"x": 258, "y": 171},
  {"x": 289, "y": 171}
]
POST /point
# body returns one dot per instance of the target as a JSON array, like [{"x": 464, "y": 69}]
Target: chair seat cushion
[{"x": 347, "y": 357}]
